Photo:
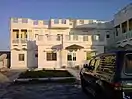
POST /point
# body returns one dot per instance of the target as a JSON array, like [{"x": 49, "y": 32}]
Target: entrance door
[{"x": 71, "y": 59}]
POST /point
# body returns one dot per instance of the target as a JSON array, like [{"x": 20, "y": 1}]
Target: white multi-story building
[
  {"x": 121, "y": 38},
  {"x": 67, "y": 42},
  {"x": 56, "y": 42}
]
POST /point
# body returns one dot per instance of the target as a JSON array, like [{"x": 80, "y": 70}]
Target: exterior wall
[
  {"x": 62, "y": 58},
  {"x": 33, "y": 43},
  {"x": 123, "y": 15},
  {"x": 15, "y": 63},
  {"x": 31, "y": 61},
  {"x": 42, "y": 62},
  {"x": 121, "y": 38}
]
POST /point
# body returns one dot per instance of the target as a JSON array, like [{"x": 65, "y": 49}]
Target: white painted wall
[
  {"x": 123, "y": 15},
  {"x": 46, "y": 45},
  {"x": 15, "y": 63},
  {"x": 62, "y": 60}
]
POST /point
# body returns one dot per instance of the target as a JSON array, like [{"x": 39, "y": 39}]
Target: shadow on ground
[{"x": 43, "y": 91}]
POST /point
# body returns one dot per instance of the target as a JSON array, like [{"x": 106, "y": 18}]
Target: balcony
[
  {"x": 67, "y": 40},
  {"x": 15, "y": 41},
  {"x": 121, "y": 40},
  {"x": 124, "y": 36},
  {"x": 19, "y": 40},
  {"x": 23, "y": 40}
]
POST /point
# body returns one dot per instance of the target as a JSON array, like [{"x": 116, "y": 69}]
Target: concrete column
[
  {"x": 120, "y": 32},
  {"x": 64, "y": 57},
  {"x": 127, "y": 25}
]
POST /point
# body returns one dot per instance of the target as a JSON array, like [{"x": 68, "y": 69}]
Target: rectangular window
[
  {"x": 36, "y": 55},
  {"x": 21, "y": 57},
  {"x": 75, "y": 37},
  {"x": 56, "y": 21},
  {"x": 90, "y": 54},
  {"x": 74, "y": 56},
  {"x": 96, "y": 37},
  {"x": 17, "y": 35},
  {"x": 58, "y": 37},
  {"x": 107, "y": 64},
  {"x": 51, "y": 56},
  {"x": 117, "y": 30},
  {"x": 63, "y": 21},
  {"x": 85, "y": 38},
  {"x": 48, "y": 37},
  {"x": 15, "y": 20},
  {"x": 35, "y": 22},
  {"x": 128, "y": 63},
  {"x": 69, "y": 57},
  {"x": 81, "y": 21},
  {"x": 24, "y": 20},
  {"x": 36, "y": 35},
  {"x": 26, "y": 35},
  {"x": 130, "y": 24},
  {"x": 107, "y": 36}
]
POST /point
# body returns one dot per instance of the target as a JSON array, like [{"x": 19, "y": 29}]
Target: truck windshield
[{"x": 128, "y": 63}]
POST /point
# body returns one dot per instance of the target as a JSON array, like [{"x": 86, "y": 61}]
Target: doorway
[{"x": 71, "y": 58}]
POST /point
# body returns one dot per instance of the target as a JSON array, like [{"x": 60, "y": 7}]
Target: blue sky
[{"x": 45, "y": 9}]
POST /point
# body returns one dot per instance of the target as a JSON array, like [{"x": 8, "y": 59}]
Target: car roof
[{"x": 114, "y": 52}]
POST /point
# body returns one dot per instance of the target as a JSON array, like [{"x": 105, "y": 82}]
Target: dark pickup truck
[{"x": 108, "y": 76}]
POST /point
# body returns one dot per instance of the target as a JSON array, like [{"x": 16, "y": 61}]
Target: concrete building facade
[
  {"x": 121, "y": 38},
  {"x": 56, "y": 42}
]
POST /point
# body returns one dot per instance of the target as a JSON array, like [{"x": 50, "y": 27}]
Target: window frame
[
  {"x": 85, "y": 38},
  {"x": 102, "y": 70},
  {"x": 107, "y": 36},
  {"x": 63, "y": 21},
  {"x": 75, "y": 37},
  {"x": 106, "y": 64},
  {"x": 56, "y": 21},
  {"x": 21, "y": 57},
  {"x": 58, "y": 37},
  {"x": 17, "y": 35},
  {"x": 94, "y": 37},
  {"x": 52, "y": 56},
  {"x": 124, "y": 65},
  {"x": 69, "y": 57},
  {"x": 90, "y": 53}
]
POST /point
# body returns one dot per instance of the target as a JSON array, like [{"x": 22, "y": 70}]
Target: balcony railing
[
  {"x": 121, "y": 37},
  {"x": 19, "y": 40},
  {"x": 15, "y": 41},
  {"x": 68, "y": 38},
  {"x": 124, "y": 36},
  {"x": 23, "y": 40}
]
